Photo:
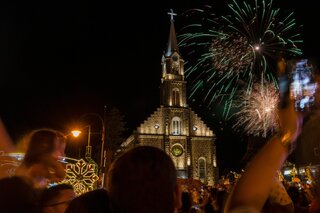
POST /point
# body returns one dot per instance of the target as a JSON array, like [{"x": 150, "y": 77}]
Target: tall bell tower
[{"x": 173, "y": 86}]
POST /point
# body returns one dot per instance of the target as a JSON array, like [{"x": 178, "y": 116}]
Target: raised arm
[{"x": 253, "y": 187}]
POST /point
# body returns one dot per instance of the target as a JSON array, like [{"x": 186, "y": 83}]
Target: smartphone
[{"x": 302, "y": 84}]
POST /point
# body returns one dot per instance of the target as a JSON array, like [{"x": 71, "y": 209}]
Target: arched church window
[
  {"x": 202, "y": 168},
  {"x": 176, "y": 126},
  {"x": 175, "y": 97}
]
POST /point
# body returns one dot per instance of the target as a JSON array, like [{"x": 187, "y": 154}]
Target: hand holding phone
[{"x": 283, "y": 82}]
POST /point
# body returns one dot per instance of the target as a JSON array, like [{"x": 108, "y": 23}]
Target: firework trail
[{"x": 228, "y": 53}]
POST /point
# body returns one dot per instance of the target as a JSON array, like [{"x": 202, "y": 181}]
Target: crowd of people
[{"x": 144, "y": 180}]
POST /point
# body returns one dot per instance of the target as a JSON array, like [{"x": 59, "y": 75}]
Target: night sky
[{"x": 61, "y": 59}]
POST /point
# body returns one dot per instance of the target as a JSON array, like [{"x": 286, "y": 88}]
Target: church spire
[
  {"x": 172, "y": 41},
  {"x": 173, "y": 86}
]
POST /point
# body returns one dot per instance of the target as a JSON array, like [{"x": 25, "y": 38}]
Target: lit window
[
  {"x": 176, "y": 126},
  {"x": 175, "y": 97},
  {"x": 202, "y": 168}
]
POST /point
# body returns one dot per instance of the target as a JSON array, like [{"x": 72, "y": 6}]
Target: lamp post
[
  {"x": 102, "y": 151},
  {"x": 76, "y": 133},
  {"x": 88, "y": 147}
]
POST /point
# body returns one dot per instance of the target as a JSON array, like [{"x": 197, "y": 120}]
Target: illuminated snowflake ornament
[{"x": 82, "y": 176}]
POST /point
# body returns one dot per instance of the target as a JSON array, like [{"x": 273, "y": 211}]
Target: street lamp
[
  {"x": 88, "y": 148},
  {"x": 76, "y": 134},
  {"x": 102, "y": 133}
]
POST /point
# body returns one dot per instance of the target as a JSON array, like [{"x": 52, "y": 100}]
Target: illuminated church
[{"x": 174, "y": 127}]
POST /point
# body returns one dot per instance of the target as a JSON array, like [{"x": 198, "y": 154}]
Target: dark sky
[{"x": 61, "y": 59}]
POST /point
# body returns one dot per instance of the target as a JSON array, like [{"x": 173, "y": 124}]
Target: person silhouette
[
  {"x": 144, "y": 180},
  {"x": 41, "y": 161}
]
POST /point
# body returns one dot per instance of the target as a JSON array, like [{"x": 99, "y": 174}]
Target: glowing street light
[{"x": 76, "y": 133}]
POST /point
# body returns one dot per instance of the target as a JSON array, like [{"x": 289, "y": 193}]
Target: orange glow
[{"x": 76, "y": 133}]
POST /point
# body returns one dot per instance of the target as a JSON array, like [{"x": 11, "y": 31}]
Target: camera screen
[{"x": 302, "y": 87}]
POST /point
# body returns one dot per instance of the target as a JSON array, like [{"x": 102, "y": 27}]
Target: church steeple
[
  {"x": 173, "y": 86},
  {"x": 172, "y": 41}
]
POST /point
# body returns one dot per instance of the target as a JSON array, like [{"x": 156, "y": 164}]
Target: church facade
[{"x": 175, "y": 127}]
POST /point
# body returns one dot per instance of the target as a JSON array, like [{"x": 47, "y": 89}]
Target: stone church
[{"x": 174, "y": 127}]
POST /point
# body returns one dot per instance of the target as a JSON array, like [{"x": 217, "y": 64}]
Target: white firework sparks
[{"x": 258, "y": 110}]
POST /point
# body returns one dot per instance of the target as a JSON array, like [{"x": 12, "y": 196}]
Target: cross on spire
[{"x": 171, "y": 13}]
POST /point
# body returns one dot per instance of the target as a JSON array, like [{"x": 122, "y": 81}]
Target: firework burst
[
  {"x": 258, "y": 110},
  {"x": 232, "y": 52}
]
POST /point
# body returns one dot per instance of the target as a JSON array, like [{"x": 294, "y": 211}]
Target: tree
[{"x": 115, "y": 128}]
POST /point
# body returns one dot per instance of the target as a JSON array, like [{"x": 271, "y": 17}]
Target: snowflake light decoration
[{"x": 81, "y": 175}]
